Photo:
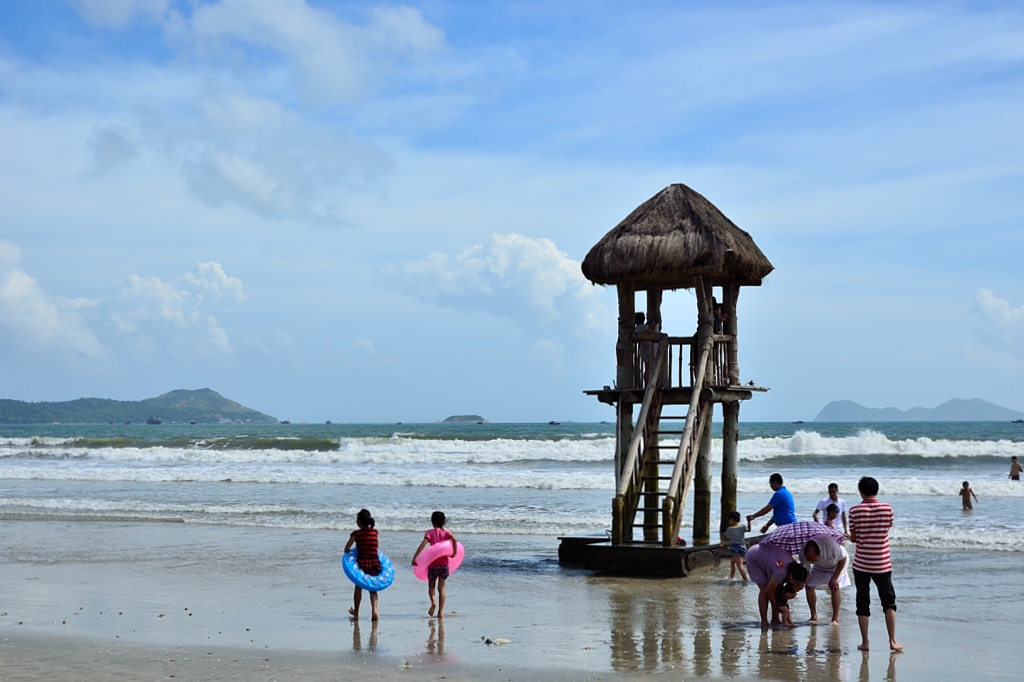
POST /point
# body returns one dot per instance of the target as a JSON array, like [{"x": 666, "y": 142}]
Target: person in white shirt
[{"x": 833, "y": 498}]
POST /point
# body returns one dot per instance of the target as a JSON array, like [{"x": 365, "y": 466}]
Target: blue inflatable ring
[{"x": 371, "y": 583}]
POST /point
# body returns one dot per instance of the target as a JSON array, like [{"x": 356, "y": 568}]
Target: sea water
[{"x": 511, "y": 480}]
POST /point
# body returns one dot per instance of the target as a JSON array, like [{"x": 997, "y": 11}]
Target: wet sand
[{"x": 139, "y": 601}]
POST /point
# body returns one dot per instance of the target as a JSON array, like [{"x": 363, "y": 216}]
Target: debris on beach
[
  {"x": 405, "y": 665},
  {"x": 498, "y": 641}
]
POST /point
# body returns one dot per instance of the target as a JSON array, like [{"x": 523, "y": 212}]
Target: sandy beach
[{"x": 138, "y": 601}]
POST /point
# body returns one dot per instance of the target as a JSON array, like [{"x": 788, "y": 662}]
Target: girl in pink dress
[{"x": 437, "y": 571}]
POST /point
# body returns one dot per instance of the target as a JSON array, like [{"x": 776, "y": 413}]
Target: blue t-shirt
[{"x": 783, "y": 509}]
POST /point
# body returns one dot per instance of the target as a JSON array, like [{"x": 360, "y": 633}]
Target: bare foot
[
  {"x": 835, "y": 622},
  {"x": 895, "y": 646},
  {"x": 352, "y": 612},
  {"x": 862, "y": 647},
  {"x": 375, "y": 617},
  {"x": 430, "y": 611},
  {"x": 440, "y": 615}
]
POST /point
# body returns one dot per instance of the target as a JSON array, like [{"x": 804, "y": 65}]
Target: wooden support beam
[
  {"x": 618, "y": 520},
  {"x": 730, "y": 462},
  {"x": 731, "y": 293},
  {"x": 702, "y": 485},
  {"x": 624, "y": 371}
]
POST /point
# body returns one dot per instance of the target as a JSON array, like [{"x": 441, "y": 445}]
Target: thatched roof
[{"x": 672, "y": 237}]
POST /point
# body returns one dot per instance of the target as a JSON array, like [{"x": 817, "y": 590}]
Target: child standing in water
[
  {"x": 965, "y": 495},
  {"x": 734, "y": 537},
  {"x": 832, "y": 516},
  {"x": 437, "y": 571},
  {"x": 783, "y": 594},
  {"x": 365, "y": 540}
]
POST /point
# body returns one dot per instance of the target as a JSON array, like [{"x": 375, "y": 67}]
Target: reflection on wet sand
[
  {"x": 435, "y": 640},
  {"x": 890, "y": 671},
  {"x": 706, "y": 631},
  {"x": 823, "y": 658},
  {"x": 662, "y": 628},
  {"x": 357, "y": 639}
]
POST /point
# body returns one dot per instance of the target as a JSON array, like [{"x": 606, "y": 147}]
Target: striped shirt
[
  {"x": 870, "y": 522},
  {"x": 366, "y": 544}
]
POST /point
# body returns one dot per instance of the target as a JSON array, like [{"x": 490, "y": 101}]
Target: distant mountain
[
  {"x": 204, "y": 406},
  {"x": 463, "y": 418},
  {"x": 955, "y": 410}
]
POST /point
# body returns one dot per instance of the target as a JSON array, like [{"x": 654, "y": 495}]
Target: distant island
[
  {"x": 955, "y": 410},
  {"x": 465, "y": 418},
  {"x": 203, "y": 406}
]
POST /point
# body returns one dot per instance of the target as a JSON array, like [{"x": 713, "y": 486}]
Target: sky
[{"x": 376, "y": 212}]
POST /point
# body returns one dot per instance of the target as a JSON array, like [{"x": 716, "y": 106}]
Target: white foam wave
[
  {"x": 889, "y": 486},
  {"x": 869, "y": 442},
  {"x": 936, "y": 537},
  {"x": 396, "y": 517},
  {"x": 390, "y": 477},
  {"x": 350, "y": 451},
  {"x": 596, "y": 449},
  {"x": 33, "y": 441}
]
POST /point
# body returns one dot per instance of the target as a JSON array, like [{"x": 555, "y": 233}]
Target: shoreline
[{"x": 232, "y": 597}]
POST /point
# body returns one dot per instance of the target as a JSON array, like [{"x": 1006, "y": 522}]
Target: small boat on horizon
[
  {"x": 154, "y": 420},
  {"x": 798, "y": 422},
  {"x": 1017, "y": 421}
]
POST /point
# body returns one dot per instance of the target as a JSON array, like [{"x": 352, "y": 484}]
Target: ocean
[{"x": 508, "y": 480}]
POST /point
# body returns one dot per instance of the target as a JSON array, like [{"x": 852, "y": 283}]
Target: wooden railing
[
  {"x": 629, "y": 483},
  {"x": 680, "y": 367},
  {"x": 689, "y": 447}
]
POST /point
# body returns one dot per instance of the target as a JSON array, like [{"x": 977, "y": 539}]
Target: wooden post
[
  {"x": 730, "y": 466},
  {"x": 731, "y": 294},
  {"x": 702, "y": 467},
  {"x": 625, "y": 435},
  {"x": 654, "y": 306},
  {"x": 702, "y": 485},
  {"x": 618, "y": 520},
  {"x": 624, "y": 373},
  {"x": 624, "y": 370}
]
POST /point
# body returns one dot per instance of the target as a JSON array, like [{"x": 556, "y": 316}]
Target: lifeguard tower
[{"x": 666, "y": 386}]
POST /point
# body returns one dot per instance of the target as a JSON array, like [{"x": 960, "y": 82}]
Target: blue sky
[{"x": 372, "y": 212}]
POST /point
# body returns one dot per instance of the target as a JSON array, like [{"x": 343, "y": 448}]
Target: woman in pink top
[{"x": 437, "y": 571}]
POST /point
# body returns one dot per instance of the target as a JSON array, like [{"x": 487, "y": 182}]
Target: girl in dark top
[{"x": 365, "y": 540}]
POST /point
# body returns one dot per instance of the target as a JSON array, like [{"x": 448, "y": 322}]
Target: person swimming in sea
[{"x": 965, "y": 495}]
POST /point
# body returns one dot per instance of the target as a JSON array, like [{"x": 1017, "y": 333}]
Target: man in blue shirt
[{"x": 781, "y": 505}]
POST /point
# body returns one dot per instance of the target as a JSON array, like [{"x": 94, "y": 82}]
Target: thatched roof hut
[{"x": 671, "y": 238}]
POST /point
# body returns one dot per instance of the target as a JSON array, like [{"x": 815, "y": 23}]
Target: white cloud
[
  {"x": 117, "y": 14},
  {"x": 333, "y": 60},
  {"x": 1001, "y": 328},
  {"x": 998, "y": 310},
  {"x": 35, "y": 320},
  {"x": 528, "y": 281},
  {"x": 255, "y": 153},
  {"x": 210, "y": 278},
  {"x": 148, "y": 309}
]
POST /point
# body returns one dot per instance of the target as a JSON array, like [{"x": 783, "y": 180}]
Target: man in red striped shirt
[{"x": 870, "y": 522}]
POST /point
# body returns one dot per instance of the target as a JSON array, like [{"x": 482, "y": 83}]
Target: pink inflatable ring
[{"x": 434, "y": 552}]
